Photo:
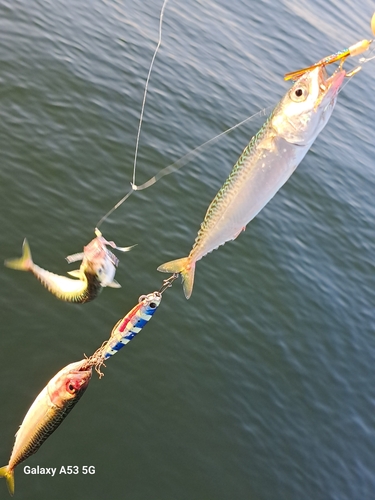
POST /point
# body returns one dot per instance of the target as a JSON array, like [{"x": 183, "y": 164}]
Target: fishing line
[
  {"x": 362, "y": 61},
  {"x": 133, "y": 185},
  {"x": 188, "y": 157},
  {"x": 145, "y": 94},
  {"x": 181, "y": 162}
]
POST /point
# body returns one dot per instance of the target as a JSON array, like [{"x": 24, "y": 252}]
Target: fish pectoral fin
[
  {"x": 239, "y": 232},
  {"x": 125, "y": 249},
  {"x": 9, "y": 476},
  {"x": 114, "y": 284},
  {"x": 112, "y": 243},
  {"x": 75, "y": 257},
  {"x": 76, "y": 273},
  {"x": 268, "y": 143}
]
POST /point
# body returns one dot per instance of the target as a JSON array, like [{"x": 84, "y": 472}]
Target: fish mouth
[
  {"x": 328, "y": 86},
  {"x": 81, "y": 372},
  {"x": 335, "y": 81},
  {"x": 331, "y": 85},
  {"x": 81, "y": 378}
]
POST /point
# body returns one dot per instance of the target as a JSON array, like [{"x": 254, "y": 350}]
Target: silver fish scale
[
  {"x": 47, "y": 427},
  {"x": 229, "y": 188}
]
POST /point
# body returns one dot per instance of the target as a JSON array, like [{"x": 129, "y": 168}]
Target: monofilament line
[
  {"x": 134, "y": 186},
  {"x": 362, "y": 61},
  {"x": 180, "y": 162},
  {"x": 188, "y": 157}
]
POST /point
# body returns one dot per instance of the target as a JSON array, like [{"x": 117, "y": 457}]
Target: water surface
[{"x": 258, "y": 387}]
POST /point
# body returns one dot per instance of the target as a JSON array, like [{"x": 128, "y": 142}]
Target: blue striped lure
[{"x": 128, "y": 327}]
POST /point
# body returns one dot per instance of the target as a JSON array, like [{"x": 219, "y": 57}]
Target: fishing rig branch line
[
  {"x": 133, "y": 185},
  {"x": 183, "y": 160}
]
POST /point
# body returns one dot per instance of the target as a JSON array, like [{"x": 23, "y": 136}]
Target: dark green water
[{"x": 260, "y": 387}]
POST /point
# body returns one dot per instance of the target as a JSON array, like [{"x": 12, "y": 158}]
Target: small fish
[
  {"x": 47, "y": 412},
  {"x": 96, "y": 271},
  {"x": 265, "y": 165},
  {"x": 101, "y": 260}
]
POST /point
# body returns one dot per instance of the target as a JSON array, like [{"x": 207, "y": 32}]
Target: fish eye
[
  {"x": 298, "y": 94},
  {"x": 152, "y": 305},
  {"x": 70, "y": 387}
]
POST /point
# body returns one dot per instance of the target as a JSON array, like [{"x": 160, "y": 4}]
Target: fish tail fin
[
  {"x": 9, "y": 476},
  {"x": 185, "y": 267},
  {"x": 24, "y": 263}
]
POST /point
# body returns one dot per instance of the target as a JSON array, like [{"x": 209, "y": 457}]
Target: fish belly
[
  {"x": 247, "y": 190},
  {"x": 57, "y": 283},
  {"x": 27, "y": 439}
]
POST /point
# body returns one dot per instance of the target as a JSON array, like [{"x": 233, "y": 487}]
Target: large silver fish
[
  {"x": 97, "y": 270},
  {"x": 47, "y": 412},
  {"x": 265, "y": 165}
]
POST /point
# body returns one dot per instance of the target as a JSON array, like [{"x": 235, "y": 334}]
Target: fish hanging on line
[
  {"x": 102, "y": 260},
  {"x": 97, "y": 270},
  {"x": 46, "y": 413},
  {"x": 265, "y": 165},
  {"x": 65, "y": 389}
]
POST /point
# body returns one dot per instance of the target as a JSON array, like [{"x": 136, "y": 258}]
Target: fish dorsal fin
[{"x": 114, "y": 284}]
